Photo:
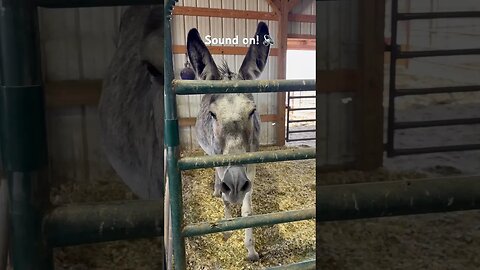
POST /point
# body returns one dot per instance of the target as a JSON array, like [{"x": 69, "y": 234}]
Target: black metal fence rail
[
  {"x": 395, "y": 54},
  {"x": 289, "y": 131}
]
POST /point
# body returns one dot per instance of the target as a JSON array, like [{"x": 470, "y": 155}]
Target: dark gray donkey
[
  {"x": 131, "y": 105},
  {"x": 230, "y": 123}
]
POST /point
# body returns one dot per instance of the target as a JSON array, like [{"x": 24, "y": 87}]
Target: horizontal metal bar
[
  {"x": 193, "y": 87},
  {"x": 190, "y": 163},
  {"x": 414, "y": 54},
  {"x": 93, "y": 3},
  {"x": 436, "y": 90},
  {"x": 248, "y": 222},
  {"x": 302, "y": 139},
  {"x": 305, "y": 265},
  {"x": 435, "y": 149},
  {"x": 301, "y": 109},
  {"x": 298, "y": 97},
  {"x": 381, "y": 199},
  {"x": 436, "y": 123},
  {"x": 302, "y": 131},
  {"x": 302, "y": 120},
  {"x": 90, "y": 223},
  {"x": 437, "y": 15}
]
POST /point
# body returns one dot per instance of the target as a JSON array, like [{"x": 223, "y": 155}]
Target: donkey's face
[{"x": 229, "y": 123}]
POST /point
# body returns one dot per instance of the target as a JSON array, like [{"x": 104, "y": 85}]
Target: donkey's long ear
[
  {"x": 152, "y": 43},
  {"x": 257, "y": 54},
  {"x": 200, "y": 57}
]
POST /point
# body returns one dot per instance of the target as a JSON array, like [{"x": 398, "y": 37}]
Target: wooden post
[
  {"x": 369, "y": 109},
  {"x": 282, "y": 8}
]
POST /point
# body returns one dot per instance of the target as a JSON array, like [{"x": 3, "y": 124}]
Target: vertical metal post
[
  {"x": 392, "y": 82},
  {"x": 172, "y": 141},
  {"x": 287, "y": 138},
  {"x": 22, "y": 132}
]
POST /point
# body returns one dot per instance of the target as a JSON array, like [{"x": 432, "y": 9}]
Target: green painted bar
[
  {"x": 248, "y": 222},
  {"x": 190, "y": 163},
  {"x": 172, "y": 146},
  {"x": 193, "y": 87},
  {"x": 409, "y": 197},
  {"x": 305, "y": 265},
  {"x": 101, "y": 222},
  {"x": 93, "y": 3},
  {"x": 22, "y": 133}
]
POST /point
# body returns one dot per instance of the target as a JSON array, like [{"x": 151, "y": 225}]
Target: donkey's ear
[
  {"x": 200, "y": 57},
  {"x": 257, "y": 54},
  {"x": 152, "y": 42}
]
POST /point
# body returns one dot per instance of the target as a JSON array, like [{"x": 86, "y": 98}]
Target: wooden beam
[
  {"x": 224, "y": 13},
  {"x": 226, "y": 50},
  {"x": 302, "y": 36},
  {"x": 72, "y": 93},
  {"x": 342, "y": 80},
  {"x": 293, "y": 17},
  {"x": 276, "y": 5},
  {"x": 282, "y": 69},
  {"x": 369, "y": 98},
  {"x": 301, "y": 44},
  {"x": 292, "y": 4}
]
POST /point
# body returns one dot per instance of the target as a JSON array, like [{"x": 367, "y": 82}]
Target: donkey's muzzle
[{"x": 235, "y": 184}]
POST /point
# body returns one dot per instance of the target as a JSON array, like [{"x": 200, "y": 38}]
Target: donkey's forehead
[{"x": 232, "y": 106}]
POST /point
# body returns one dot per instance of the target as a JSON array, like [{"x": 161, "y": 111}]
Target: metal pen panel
[
  {"x": 250, "y": 86},
  {"x": 190, "y": 163}
]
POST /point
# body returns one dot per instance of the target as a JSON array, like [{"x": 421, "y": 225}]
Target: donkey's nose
[{"x": 235, "y": 183}]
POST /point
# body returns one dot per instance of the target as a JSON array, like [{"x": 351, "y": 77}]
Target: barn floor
[
  {"x": 430, "y": 242},
  {"x": 274, "y": 190}
]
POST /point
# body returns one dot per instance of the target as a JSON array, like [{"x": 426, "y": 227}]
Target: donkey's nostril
[
  {"x": 225, "y": 188},
  {"x": 246, "y": 186}
]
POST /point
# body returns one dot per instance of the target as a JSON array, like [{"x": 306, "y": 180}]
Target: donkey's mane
[{"x": 225, "y": 71}]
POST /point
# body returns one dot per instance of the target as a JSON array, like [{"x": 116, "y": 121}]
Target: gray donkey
[
  {"x": 230, "y": 123},
  {"x": 131, "y": 104}
]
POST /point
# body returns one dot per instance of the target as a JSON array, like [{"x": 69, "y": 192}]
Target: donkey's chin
[{"x": 233, "y": 200}]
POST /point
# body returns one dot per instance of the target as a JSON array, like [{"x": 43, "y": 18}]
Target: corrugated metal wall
[
  {"x": 77, "y": 44},
  {"x": 306, "y": 7}
]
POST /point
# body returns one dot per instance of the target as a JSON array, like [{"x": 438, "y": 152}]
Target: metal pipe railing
[
  {"x": 305, "y": 265},
  {"x": 93, "y": 3},
  {"x": 100, "y": 222},
  {"x": 437, "y": 15},
  {"x": 189, "y": 163},
  {"x": 172, "y": 142},
  {"x": 415, "y": 54},
  {"x": 248, "y": 222},
  {"x": 436, "y": 90},
  {"x": 437, "y": 123},
  {"x": 382, "y": 199},
  {"x": 251, "y": 86},
  {"x": 435, "y": 149}
]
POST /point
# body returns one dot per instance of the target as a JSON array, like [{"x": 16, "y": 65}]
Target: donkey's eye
[
  {"x": 214, "y": 116},
  {"x": 251, "y": 113}
]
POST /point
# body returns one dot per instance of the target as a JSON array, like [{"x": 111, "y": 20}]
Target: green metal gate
[{"x": 175, "y": 164}]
